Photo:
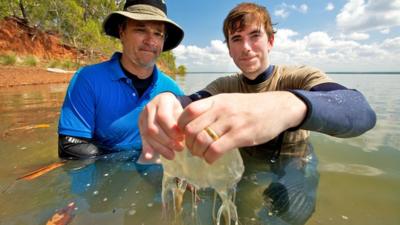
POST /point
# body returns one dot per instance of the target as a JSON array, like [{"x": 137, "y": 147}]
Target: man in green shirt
[{"x": 262, "y": 106}]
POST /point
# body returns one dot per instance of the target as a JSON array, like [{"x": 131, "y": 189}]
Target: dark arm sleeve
[
  {"x": 76, "y": 148},
  {"x": 336, "y": 110},
  {"x": 186, "y": 100}
]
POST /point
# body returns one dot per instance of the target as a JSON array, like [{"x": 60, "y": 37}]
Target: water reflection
[
  {"x": 114, "y": 189},
  {"x": 385, "y": 101},
  {"x": 355, "y": 169},
  {"x": 114, "y": 185},
  {"x": 283, "y": 192},
  {"x": 21, "y": 107}
]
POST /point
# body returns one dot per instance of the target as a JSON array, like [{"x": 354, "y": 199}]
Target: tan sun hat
[{"x": 143, "y": 10}]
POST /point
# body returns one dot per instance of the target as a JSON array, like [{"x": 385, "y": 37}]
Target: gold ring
[{"x": 211, "y": 133}]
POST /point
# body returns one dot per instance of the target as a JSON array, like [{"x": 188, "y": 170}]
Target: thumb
[{"x": 148, "y": 155}]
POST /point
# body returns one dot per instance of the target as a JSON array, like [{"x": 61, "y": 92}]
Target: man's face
[
  {"x": 249, "y": 49},
  {"x": 142, "y": 42}
]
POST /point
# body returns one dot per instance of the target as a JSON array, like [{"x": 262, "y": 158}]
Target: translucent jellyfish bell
[{"x": 222, "y": 176}]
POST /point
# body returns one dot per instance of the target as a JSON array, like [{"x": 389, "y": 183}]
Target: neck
[
  {"x": 255, "y": 74},
  {"x": 263, "y": 76},
  {"x": 141, "y": 71}
]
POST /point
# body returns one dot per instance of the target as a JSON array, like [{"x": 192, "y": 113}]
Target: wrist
[
  {"x": 184, "y": 100},
  {"x": 297, "y": 109}
]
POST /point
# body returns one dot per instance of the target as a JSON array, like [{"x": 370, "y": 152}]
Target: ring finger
[{"x": 200, "y": 143}]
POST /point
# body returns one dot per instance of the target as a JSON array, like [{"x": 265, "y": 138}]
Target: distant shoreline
[
  {"x": 326, "y": 72},
  {"x": 363, "y": 72}
]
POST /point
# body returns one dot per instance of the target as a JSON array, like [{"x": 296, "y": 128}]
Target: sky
[{"x": 335, "y": 36}]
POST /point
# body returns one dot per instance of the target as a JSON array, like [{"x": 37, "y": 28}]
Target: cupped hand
[
  {"x": 158, "y": 127},
  {"x": 239, "y": 120}
]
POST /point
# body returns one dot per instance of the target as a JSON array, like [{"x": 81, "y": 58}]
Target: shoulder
[
  {"x": 232, "y": 78},
  {"x": 110, "y": 66},
  {"x": 300, "y": 70},
  {"x": 98, "y": 68},
  {"x": 165, "y": 78},
  {"x": 301, "y": 77},
  {"x": 90, "y": 76},
  {"x": 225, "y": 84},
  {"x": 96, "y": 73},
  {"x": 166, "y": 83}
]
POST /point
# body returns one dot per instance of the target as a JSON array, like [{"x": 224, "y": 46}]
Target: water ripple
[{"x": 355, "y": 169}]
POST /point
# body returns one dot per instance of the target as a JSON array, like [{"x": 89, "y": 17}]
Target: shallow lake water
[{"x": 348, "y": 181}]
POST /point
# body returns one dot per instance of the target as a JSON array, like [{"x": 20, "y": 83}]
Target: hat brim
[{"x": 174, "y": 31}]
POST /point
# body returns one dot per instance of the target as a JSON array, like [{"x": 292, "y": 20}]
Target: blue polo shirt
[{"x": 102, "y": 104}]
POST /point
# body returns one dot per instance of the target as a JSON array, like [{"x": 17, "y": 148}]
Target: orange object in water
[
  {"x": 41, "y": 171},
  {"x": 62, "y": 216},
  {"x": 29, "y": 127},
  {"x": 41, "y": 126},
  {"x": 24, "y": 128}
]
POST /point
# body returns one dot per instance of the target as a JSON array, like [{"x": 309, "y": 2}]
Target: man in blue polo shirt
[{"x": 103, "y": 102}]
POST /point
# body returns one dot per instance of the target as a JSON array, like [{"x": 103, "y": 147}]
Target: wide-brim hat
[{"x": 145, "y": 10}]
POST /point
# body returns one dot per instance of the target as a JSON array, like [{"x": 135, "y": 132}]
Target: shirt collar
[
  {"x": 261, "y": 77},
  {"x": 117, "y": 73}
]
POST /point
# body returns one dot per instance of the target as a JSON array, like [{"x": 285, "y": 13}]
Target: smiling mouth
[
  {"x": 148, "y": 50},
  {"x": 247, "y": 58}
]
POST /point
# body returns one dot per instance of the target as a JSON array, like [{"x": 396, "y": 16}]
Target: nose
[
  {"x": 150, "y": 39},
  {"x": 153, "y": 36},
  {"x": 246, "y": 45}
]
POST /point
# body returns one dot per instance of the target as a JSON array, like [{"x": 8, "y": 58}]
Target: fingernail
[
  {"x": 176, "y": 128},
  {"x": 148, "y": 155},
  {"x": 180, "y": 138},
  {"x": 178, "y": 145}
]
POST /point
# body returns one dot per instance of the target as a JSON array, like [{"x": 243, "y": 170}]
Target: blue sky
[{"x": 339, "y": 35}]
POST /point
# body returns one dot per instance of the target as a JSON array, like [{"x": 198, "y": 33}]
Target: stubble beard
[
  {"x": 248, "y": 69},
  {"x": 151, "y": 62}
]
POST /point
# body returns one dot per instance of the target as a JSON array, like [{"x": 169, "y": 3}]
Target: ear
[
  {"x": 271, "y": 40},
  {"x": 121, "y": 31},
  {"x": 270, "y": 43},
  {"x": 229, "y": 49}
]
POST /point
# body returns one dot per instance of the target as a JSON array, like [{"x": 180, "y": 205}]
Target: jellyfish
[{"x": 222, "y": 176}]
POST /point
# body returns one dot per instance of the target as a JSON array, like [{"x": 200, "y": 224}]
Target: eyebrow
[
  {"x": 143, "y": 25},
  {"x": 235, "y": 36},
  {"x": 139, "y": 25},
  {"x": 255, "y": 31}
]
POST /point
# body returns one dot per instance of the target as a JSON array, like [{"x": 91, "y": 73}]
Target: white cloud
[
  {"x": 283, "y": 10},
  {"x": 211, "y": 58},
  {"x": 284, "y": 42},
  {"x": 337, "y": 54},
  {"x": 319, "y": 49},
  {"x": 318, "y": 40},
  {"x": 359, "y": 15},
  {"x": 281, "y": 13},
  {"x": 385, "y": 31},
  {"x": 303, "y": 8},
  {"x": 392, "y": 44},
  {"x": 329, "y": 7},
  {"x": 358, "y": 36}
]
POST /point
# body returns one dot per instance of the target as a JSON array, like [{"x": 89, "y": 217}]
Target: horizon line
[{"x": 330, "y": 72}]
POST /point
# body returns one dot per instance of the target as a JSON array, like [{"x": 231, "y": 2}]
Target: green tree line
[{"x": 78, "y": 21}]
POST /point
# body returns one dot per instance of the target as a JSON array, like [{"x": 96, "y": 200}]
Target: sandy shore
[{"x": 11, "y": 76}]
